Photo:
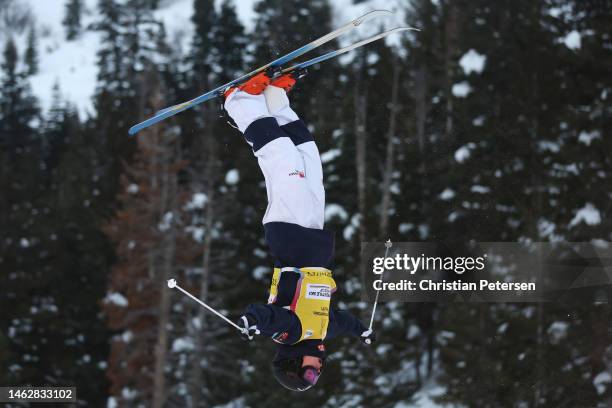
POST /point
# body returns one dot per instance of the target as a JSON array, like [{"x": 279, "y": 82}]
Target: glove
[
  {"x": 257, "y": 84},
  {"x": 248, "y": 327},
  {"x": 368, "y": 337}
]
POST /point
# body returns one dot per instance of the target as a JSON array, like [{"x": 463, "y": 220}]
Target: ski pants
[{"x": 288, "y": 157}]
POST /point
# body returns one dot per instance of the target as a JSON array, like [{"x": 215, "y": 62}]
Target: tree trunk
[
  {"x": 420, "y": 96},
  {"x": 166, "y": 154},
  {"x": 451, "y": 28},
  {"x": 200, "y": 337},
  {"x": 360, "y": 102},
  {"x": 390, "y": 152}
]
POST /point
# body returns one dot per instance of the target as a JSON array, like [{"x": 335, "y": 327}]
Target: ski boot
[{"x": 287, "y": 81}]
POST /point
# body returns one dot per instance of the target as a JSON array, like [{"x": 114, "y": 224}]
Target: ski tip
[
  {"x": 381, "y": 11},
  {"x": 133, "y": 130},
  {"x": 406, "y": 29},
  {"x": 369, "y": 15}
]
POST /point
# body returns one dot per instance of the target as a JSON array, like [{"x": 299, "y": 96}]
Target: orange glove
[
  {"x": 253, "y": 86},
  {"x": 285, "y": 81}
]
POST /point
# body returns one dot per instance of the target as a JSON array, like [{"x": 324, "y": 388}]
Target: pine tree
[
  {"x": 133, "y": 43},
  {"x": 216, "y": 56},
  {"x": 73, "y": 11},
  {"x": 31, "y": 53},
  {"x": 151, "y": 243},
  {"x": 131, "y": 88},
  {"x": 20, "y": 183}
]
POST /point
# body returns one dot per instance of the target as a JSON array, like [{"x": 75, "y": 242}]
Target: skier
[{"x": 298, "y": 316}]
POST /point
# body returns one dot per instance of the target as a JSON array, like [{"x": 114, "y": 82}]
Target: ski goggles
[{"x": 310, "y": 375}]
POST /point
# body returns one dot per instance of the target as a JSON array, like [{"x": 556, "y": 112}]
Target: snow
[
  {"x": 464, "y": 152},
  {"x": 413, "y": 332},
  {"x": 335, "y": 210},
  {"x": 546, "y": 228},
  {"x": 260, "y": 253},
  {"x": 166, "y": 221},
  {"x": 71, "y": 64},
  {"x": 259, "y": 272},
  {"x": 182, "y": 344},
  {"x": 197, "y": 233},
  {"x": 587, "y": 137},
  {"x": 587, "y": 214},
  {"x": 561, "y": 11},
  {"x": 198, "y": 201},
  {"x": 330, "y": 155},
  {"x": 601, "y": 381},
  {"x": 547, "y": 145},
  {"x": 24, "y": 243},
  {"x": 232, "y": 177},
  {"x": 127, "y": 336},
  {"x": 472, "y": 61},
  {"x": 244, "y": 10},
  {"x": 111, "y": 403},
  {"x": 424, "y": 398},
  {"x": 480, "y": 189},
  {"x": 132, "y": 188},
  {"x": 557, "y": 331},
  {"x": 405, "y": 227},
  {"x": 350, "y": 229},
  {"x": 116, "y": 299},
  {"x": 448, "y": 193},
  {"x": 478, "y": 121},
  {"x": 572, "y": 40},
  {"x": 461, "y": 89},
  {"x": 423, "y": 231},
  {"x": 176, "y": 16},
  {"x": 128, "y": 393}
]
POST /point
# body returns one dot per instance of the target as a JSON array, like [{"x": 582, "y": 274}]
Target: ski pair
[{"x": 276, "y": 64}]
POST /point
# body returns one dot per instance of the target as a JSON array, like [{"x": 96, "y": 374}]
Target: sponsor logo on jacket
[
  {"x": 280, "y": 337},
  {"x": 298, "y": 173},
  {"x": 318, "y": 291}
]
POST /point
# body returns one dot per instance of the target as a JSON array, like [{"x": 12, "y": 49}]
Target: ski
[
  {"x": 173, "y": 110},
  {"x": 346, "y": 49}
]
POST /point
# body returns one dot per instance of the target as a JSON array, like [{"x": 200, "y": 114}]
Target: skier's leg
[
  {"x": 296, "y": 129},
  {"x": 289, "y": 196}
]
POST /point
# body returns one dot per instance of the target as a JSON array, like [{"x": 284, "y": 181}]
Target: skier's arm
[
  {"x": 343, "y": 323},
  {"x": 270, "y": 319}
]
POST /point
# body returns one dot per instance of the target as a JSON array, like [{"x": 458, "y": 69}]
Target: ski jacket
[{"x": 298, "y": 315}]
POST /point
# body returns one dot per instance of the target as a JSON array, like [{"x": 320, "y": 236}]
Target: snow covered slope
[{"x": 72, "y": 64}]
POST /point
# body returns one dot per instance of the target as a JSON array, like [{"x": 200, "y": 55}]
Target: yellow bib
[{"x": 311, "y": 299}]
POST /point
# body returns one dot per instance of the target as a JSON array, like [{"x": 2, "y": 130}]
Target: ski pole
[
  {"x": 173, "y": 285},
  {"x": 388, "y": 245}
]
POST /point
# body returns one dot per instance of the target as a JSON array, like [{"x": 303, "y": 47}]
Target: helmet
[{"x": 291, "y": 375}]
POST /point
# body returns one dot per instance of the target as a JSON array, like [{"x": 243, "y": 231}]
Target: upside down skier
[{"x": 298, "y": 315}]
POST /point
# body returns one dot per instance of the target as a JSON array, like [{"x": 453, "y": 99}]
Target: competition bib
[{"x": 306, "y": 292}]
